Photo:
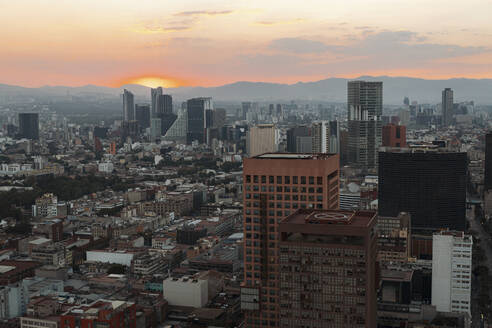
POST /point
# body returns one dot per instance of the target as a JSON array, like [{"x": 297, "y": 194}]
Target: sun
[{"x": 154, "y": 81}]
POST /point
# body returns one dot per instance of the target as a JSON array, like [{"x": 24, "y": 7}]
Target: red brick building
[
  {"x": 110, "y": 314},
  {"x": 275, "y": 186},
  {"x": 13, "y": 271},
  {"x": 394, "y": 136},
  {"x": 327, "y": 262}
]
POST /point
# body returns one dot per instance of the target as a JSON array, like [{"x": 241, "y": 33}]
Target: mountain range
[{"x": 328, "y": 90}]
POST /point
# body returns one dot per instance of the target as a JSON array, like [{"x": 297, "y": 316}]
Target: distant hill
[{"x": 332, "y": 90}]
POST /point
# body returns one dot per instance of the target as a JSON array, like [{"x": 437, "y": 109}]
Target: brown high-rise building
[
  {"x": 327, "y": 264},
  {"x": 394, "y": 136},
  {"x": 276, "y": 185}
]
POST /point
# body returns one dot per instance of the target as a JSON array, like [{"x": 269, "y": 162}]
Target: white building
[
  {"x": 451, "y": 271},
  {"x": 262, "y": 138},
  {"x": 326, "y": 137},
  {"x": 46, "y": 206},
  {"x": 105, "y": 167},
  {"x": 116, "y": 257},
  {"x": 15, "y": 169},
  {"x": 185, "y": 292}
]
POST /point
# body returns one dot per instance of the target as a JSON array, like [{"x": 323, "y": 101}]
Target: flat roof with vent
[{"x": 312, "y": 217}]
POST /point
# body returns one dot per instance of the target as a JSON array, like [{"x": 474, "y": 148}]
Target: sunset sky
[{"x": 197, "y": 42}]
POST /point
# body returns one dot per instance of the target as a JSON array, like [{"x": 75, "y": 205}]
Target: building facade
[
  {"x": 394, "y": 238},
  {"x": 326, "y": 137},
  {"x": 430, "y": 184},
  {"x": 154, "y": 95},
  {"x": 488, "y": 162},
  {"x": 365, "y": 108},
  {"x": 262, "y": 138},
  {"x": 447, "y": 106},
  {"x": 327, "y": 265},
  {"x": 293, "y": 135},
  {"x": 128, "y": 106},
  {"x": 142, "y": 116},
  {"x": 451, "y": 271},
  {"x": 276, "y": 185},
  {"x": 29, "y": 126},
  {"x": 394, "y": 136},
  {"x": 197, "y": 123}
]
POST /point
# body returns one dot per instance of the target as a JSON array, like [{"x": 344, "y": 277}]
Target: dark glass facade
[
  {"x": 430, "y": 185},
  {"x": 488, "y": 162},
  {"x": 29, "y": 126}
]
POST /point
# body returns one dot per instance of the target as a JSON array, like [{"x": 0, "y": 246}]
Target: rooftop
[
  {"x": 293, "y": 156},
  {"x": 420, "y": 148},
  {"x": 333, "y": 217},
  {"x": 393, "y": 275}
]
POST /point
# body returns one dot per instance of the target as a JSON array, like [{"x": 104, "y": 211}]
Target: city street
[{"x": 485, "y": 243}]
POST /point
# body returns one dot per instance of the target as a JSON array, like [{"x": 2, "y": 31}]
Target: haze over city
[{"x": 245, "y": 164}]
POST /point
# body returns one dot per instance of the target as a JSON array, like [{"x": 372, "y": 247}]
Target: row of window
[
  {"x": 287, "y": 204},
  {"x": 284, "y": 179},
  {"x": 289, "y": 189}
]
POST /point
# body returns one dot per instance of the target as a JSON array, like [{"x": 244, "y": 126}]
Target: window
[
  {"x": 295, "y": 180},
  {"x": 303, "y": 180},
  {"x": 279, "y": 179},
  {"x": 255, "y": 179},
  {"x": 311, "y": 180},
  {"x": 248, "y": 178},
  {"x": 319, "y": 180},
  {"x": 263, "y": 179},
  {"x": 287, "y": 179}
]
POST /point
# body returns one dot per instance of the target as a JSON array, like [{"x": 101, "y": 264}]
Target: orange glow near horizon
[
  {"x": 212, "y": 43},
  {"x": 153, "y": 82}
]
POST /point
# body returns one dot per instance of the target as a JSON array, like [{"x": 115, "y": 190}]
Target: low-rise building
[{"x": 186, "y": 291}]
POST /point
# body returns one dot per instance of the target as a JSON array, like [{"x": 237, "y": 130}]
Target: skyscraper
[
  {"x": 154, "y": 94},
  {"x": 326, "y": 137},
  {"x": 155, "y": 128},
  {"x": 429, "y": 183},
  {"x": 452, "y": 271},
  {"x": 29, "y": 126},
  {"x": 164, "y": 111},
  {"x": 365, "y": 108},
  {"x": 293, "y": 134},
  {"x": 275, "y": 185},
  {"x": 197, "y": 123},
  {"x": 245, "y": 109},
  {"x": 164, "y": 104},
  {"x": 447, "y": 106},
  {"x": 262, "y": 138},
  {"x": 128, "y": 106},
  {"x": 142, "y": 115},
  {"x": 327, "y": 268}
]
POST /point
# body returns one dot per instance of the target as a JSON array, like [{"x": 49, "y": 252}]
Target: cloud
[
  {"x": 298, "y": 45},
  {"x": 279, "y": 22},
  {"x": 204, "y": 13},
  {"x": 402, "y": 47},
  {"x": 164, "y": 29},
  {"x": 186, "y": 22}
]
